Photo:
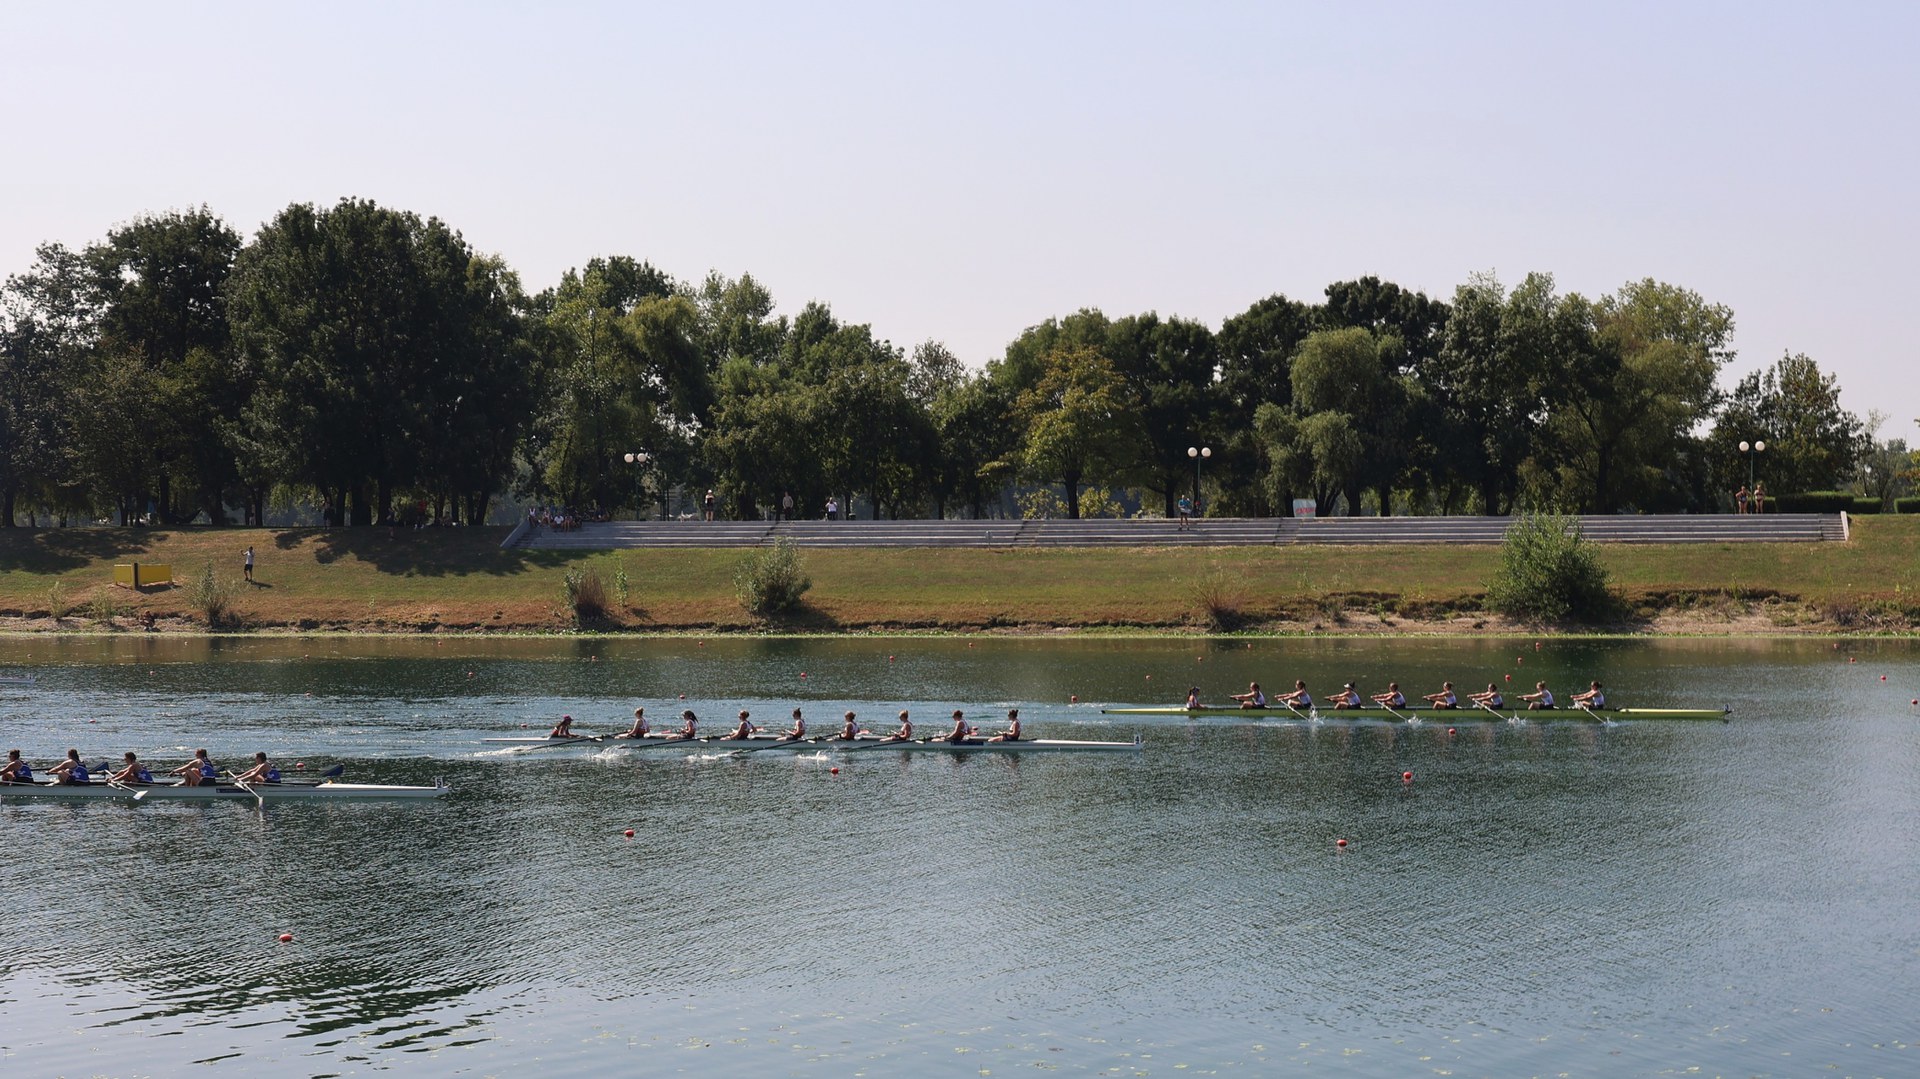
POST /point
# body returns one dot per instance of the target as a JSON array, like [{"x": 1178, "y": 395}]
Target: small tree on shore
[
  {"x": 771, "y": 580},
  {"x": 1548, "y": 572}
]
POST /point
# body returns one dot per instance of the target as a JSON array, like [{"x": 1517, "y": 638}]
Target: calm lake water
[{"x": 1544, "y": 898}]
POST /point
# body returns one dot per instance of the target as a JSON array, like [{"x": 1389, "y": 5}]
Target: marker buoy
[
  {"x": 1149, "y": 678},
  {"x": 1341, "y": 843},
  {"x": 1509, "y": 678},
  {"x": 803, "y": 674},
  {"x": 1536, "y": 646},
  {"x": 1074, "y": 699},
  {"x": 889, "y": 659},
  {"x": 628, "y": 833},
  {"x": 1849, "y": 659},
  {"x": 683, "y": 696},
  {"x": 1451, "y": 731},
  {"x": 1883, "y": 678},
  {"x": 1406, "y": 777},
  {"x": 835, "y": 769},
  {"x": 286, "y": 938},
  {"x": 299, "y": 765}
]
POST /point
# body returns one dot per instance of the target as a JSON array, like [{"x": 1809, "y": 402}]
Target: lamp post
[
  {"x": 1199, "y": 454},
  {"x": 1752, "y": 449},
  {"x": 639, "y": 461}
]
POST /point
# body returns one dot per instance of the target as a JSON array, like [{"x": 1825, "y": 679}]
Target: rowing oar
[
  {"x": 1296, "y": 711},
  {"x": 556, "y": 743},
  {"x": 117, "y": 785},
  {"x": 1490, "y": 708},
  {"x": 1582, "y": 705},
  {"x": 1394, "y": 714},
  {"x": 259, "y": 801}
]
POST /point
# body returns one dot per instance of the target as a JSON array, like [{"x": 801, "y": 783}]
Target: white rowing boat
[
  {"x": 760, "y": 742},
  {"x": 218, "y": 792}
]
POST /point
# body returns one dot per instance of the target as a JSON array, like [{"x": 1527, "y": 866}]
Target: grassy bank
[{"x": 458, "y": 580}]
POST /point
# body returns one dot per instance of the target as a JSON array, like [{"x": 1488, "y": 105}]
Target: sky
[{"x": 961, "y": 172}]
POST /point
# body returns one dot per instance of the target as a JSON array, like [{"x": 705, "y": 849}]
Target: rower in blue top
[
  {"x": 131, "y": 771},
  {"x": 70, "y": 771},
  {"x": 197, "y": 772},
  {"x": 263, "y": 771},
  {"x": 16, "y": 770}
]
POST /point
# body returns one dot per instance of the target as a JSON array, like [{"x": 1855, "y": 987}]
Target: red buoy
[
  {"x": 1073, "y": 699},
  {"x": 1340, "y": 843},
  {"x": 299, "y": 765},
  {"x": 1450, "y": 731},
  {"x": 889, "y": 659},
  {"x": 286, "y": 938},
  {"x": 835, "y": 769},
  {"x": 628, "y": 833},
  {"x": 1406, "y": 777}
]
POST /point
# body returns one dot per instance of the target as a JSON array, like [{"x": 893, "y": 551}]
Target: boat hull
[
  {"x": 1450, "y": 715},
  {"x": 224, "y": 792}
]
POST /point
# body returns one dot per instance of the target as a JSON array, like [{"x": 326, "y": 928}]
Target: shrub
[
  {"x": 586, "y": 595},
  {"x": 211, "y": 596},
  {"x": 1815, "y": 502},
  {"x": 104, "y": 607},
  {"x": 57, "y": 603},
  {"x": 1862, "y": 506},
  {"x": 1906, "y": 505},
  {"x": 771, "y": 580},
  {"x": 1549, "y": 572},
  {"x": 1221, "y": 599}
]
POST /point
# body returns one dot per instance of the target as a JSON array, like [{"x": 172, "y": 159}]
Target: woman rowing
[
  {"x": 198, "y": 771},
  {"x": 1392, "y": 698},
  {"x": 263, "y": 771},
  {"x": 564, "y": 729},
  {"x": 849, "y": 728},
  {"x": 1540, "y": 700},
  {"x": 958, "y": 735},
  {"x": 1592, "y": 698},
  {"x": 1252, "y": 698},
  {"x": 1492, "y": 698},
  {"x": 131, "y": 771},
  {"x": 1299, "y": 698},
  {"x": 742, "y": 730},
  {"x": 1012, "y": 733},
  {"x": 639, "y": 728},
  {"x": 1443, "y": 699},
  {"x": 1348, "y": 697},
  {"x": 17, "y": 770},
  {"x": 70, "y": 772},
  {"x": 905, "y": 733},
  {"x": 1193, "y": 700},
  {"x": 686, "y": 731},
  {"x": 795, "y": 732}
]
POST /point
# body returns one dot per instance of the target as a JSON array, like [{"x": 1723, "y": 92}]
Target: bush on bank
[{"x": 1549, "y": 573}]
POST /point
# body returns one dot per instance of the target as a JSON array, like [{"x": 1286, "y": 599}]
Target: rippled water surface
[{"x": 1542, "y": 898}]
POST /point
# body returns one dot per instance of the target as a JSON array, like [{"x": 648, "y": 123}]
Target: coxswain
[
  {"x": 905, "y": 733},
  {"x": 639, "y": 728},
  {"x": 132, "y": 771},
  {"x": 1299, "y": 698},
  {"x": 1012, "y": 733},
  {"x": 849, "y": 728},
  {"x": 1592, "y": 698},
  {"x": 1541, "y": 699},
  {"x": 743, "y": 730},
  {"x": 795, "y": 732},
  {"x": 1348, "y": 697},
  {"x": 1443, "y": 699},
  {"x": 1392, "y": 698},
  {"x": 958, "y": 735},
  {"x": 263, "y": 771},
  {"x": 685, "y": 733},
  {"x": 16, "y": 770},
  {"x": 1492, "y": 698},
  {"x": 70, "y": 772},
  {"x": 198, "y": 771},
  {"x": 563, "y": 729},
  {"x": 1252, "y": 698},
  {"x": 1193, "y": 700}
]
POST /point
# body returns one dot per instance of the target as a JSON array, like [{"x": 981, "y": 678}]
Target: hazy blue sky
[{"x": 963, "y": 172}]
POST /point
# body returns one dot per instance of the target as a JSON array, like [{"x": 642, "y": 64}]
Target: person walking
[{"x": 246, "y": 564}]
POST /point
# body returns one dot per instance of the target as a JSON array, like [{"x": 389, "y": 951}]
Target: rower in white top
[
  {"x": 1348, "y": 697},
  {"x": 1012, "y": 733},
  {"x": 1592, "y": 698},
  {"x": 639, "y": 728},
  {"x": 905, "y": 733},
  {"x": 1490, "y": 699},
  {"x": 1392, "y": 698},
  {"x": 959, "y": 734},
  {"x": 795, "y": 732},
  {"x": 1443, "y": 699},
  {"x": 1540, "y": 700},
  {"x": 742, "y": 730}
]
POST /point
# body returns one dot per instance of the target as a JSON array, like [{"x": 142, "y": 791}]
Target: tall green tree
[
  {"x": 1080, "y": 422},
  {"x": 1170, "y": 366},
  {"x": 1812, "y": 442}
]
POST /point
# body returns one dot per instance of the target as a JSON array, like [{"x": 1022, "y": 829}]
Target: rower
[
  {"x": 1443, "y": 699},
  {"x": 263, "y": 771},
  {"x": 198, "y": 771},
  {"x": 849, "y": 728},
  {"x": 132, "y": 771},
  {"x": 1012, "y": 733},
  {"x": 1299, "y": 698},
  {"x": 1490, "y": 699},
  {"x": 795, "y": 732},
  {"x": 958, "y": 735},
  {"x": 1348, "y": 697},
  {"x": 743, "y": 730},
  {"x": 1193, "y": 700},
  {"x": 17, "y": 770},
  {"x": 905, "y": 733},
  {"x": 639, "y": 728},
  {"x": 1252, "y": 698},
  {"x": 70, "y": 772},
  {"x": 1392, "y": 698},
  {"x": 1539, "y": 700},
  {"x": 563, "y": 729},
  {"x": 1592, "y": 698},
  {"x": 685, "y": 733}
]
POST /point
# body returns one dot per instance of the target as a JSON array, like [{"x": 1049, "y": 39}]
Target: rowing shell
[
  {"x": 760, "y": 742},
  {"x": 222, "y": 792},
  {"x": 1449, "y": 714}
]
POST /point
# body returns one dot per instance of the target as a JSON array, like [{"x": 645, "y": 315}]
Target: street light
[
  {"x": 638, "y": 459},
  {"x": 1751, "y": 449},
  {"x": 1199, "y": 454}
]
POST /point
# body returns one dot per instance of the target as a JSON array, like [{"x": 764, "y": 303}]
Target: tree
[
  {"x": 1080, "y": 423},
  {"x": 1355, "y": 410},
  {"x": 1812, "y": 443},
  {"x": 48, "y": 325},
  {"x": 1170, "y": 367}
]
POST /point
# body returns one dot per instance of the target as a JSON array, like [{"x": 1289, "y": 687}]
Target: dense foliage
[
  {"x": 1549, "y": 573},
  {"x": 367, "y": 364}
]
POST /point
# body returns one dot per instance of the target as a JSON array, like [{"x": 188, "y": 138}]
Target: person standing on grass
[
  {"x": 708, "y": 503},
  {"x": 246, "y": 564},
  {"x": 1186, "y": 512},
  {"x": 1759, "y": 498}
]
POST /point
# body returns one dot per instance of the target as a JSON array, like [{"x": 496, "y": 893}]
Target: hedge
[
  {"x": 1864, "y": 506},
  {"x": 1906, "y": 505},
  {"x": 1816, "y": 502}
]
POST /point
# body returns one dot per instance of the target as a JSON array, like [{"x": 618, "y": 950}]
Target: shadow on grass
[
  {"x": 427, "y": 552},
  {"x": 58, "y": 550}
]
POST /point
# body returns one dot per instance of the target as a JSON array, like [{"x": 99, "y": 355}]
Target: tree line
[{"x": 367, "y": 361}]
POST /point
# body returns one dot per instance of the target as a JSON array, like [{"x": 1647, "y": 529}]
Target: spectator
[
  {"x": 1759, "y": 498},
  {"x": 708, "y": 503},
  {"x": 833, "y": 509}
]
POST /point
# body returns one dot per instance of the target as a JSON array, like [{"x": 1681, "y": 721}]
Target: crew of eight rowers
[
  {"x": 963, "y": 733},
  {"x": 1348, "y": 697},
  {"x": 199, "y": 771}
]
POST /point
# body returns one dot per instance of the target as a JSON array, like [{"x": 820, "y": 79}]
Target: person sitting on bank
[{"x": 1541, "y": 699}]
